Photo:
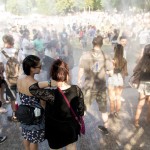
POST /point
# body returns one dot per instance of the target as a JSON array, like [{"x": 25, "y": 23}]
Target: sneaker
[
  {"x": 3, "y": 139},
  {"x": 103, "y": 129},
  {"x": 3, "y": 110},
  {"x": 12, "y": 118}
]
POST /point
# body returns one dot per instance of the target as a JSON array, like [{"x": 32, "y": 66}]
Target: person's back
[
  {"x": 12, "y": 71},
  {"x": 93, "y": 67},
  {"x": 27, "y": 46}
]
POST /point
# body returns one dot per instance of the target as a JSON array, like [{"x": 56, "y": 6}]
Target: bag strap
[
  {"x": 66, "y": 100},
  {"x": 7, "y": 56}
]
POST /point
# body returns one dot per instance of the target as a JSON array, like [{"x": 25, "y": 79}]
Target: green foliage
[
  {"x": 12, "y": 6},
  {"x": 43, "y": 6},
  {"x": 89, "y": 3},
  {"x": 64, "y": 6},
  {"x": 143, "y": 4},
  {"x": 79, "y": 4},
  {"x": 52, "y": 7},
  {"x": 18, "y": 7},
  {"x": 97, "y": 5}
]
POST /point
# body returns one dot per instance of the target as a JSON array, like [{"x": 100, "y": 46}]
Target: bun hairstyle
[
  {"x": 98, "y": 41},
  {"x": 59, "y": 71}
]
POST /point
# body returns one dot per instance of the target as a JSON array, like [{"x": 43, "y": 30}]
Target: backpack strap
[
  {"x": 4, "y": 53},
  {"x": 7, "y": 56}
]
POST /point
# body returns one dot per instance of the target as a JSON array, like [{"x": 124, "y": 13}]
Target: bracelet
[{"x": 49, "y": 83}]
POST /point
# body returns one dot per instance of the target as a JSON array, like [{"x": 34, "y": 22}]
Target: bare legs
[
  {"x": 115, "y": 98},
  {"x": 142, "y": 100},
  {"x": 30, "y": 146},
  {"x": 105, "y": 119},
  {"x": 71, "y": 146},
  {"x": 118, "y": 91}
]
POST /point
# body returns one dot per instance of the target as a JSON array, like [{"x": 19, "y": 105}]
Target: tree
[
  {"x": 18, "y": 7},
  {"x": 97, "y": 5},
  {"x": 43, "y": 6},
  {"x": 89, "y": 4},
  {"x": 143, "y": 4},
  {"x": 79, "y": 5},
  {"x": 64, "y": 6}
]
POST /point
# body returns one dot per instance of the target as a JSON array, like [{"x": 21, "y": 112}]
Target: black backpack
[{"x": 25, "y": 115}]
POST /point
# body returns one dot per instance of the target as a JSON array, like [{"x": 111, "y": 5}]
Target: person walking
[
  {"x": 115, "y": 81},
  {"x": 12, "y": 70},
  {"x": 93, "y": 66},
  {"x": 142, "y": 76}
]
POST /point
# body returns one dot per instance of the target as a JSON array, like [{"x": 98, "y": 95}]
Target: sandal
[{"x": 12, "y": 118}]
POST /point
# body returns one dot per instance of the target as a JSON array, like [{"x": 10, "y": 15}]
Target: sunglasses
[{"x": 39, "y": 67}]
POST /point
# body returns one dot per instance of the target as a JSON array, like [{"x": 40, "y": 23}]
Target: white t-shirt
[
  {"x": 10, "y": 51},
  {"x": 26, "y": 43}
]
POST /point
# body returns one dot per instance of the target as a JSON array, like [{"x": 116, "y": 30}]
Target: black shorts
[{"x": 11, "y": 92}]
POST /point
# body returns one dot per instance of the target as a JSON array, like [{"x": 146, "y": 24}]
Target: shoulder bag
[{"x": 78, "y": 119}]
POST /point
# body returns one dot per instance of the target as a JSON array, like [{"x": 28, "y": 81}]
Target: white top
[
  {"x": 10, "y": 51},
  {"x": 26, "y": 43}
]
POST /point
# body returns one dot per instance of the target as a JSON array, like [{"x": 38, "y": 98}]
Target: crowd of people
[{"x": 28, "y": 50}]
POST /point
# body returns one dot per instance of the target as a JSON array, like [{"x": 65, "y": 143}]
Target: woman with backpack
[{"x": 115, "y": 81}]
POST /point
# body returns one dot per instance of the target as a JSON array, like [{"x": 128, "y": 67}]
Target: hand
[{"x": 53, "y": 83}]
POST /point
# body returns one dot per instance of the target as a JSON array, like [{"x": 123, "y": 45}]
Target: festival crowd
[{"x": 45, "y": 47}]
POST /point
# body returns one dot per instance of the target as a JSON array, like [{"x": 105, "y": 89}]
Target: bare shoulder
[
  {"x": 23, "y": 84},
  {"x": 21, "y": 77}
]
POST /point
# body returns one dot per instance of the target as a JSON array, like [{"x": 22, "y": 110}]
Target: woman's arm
[
  {"x": 124, "y": 71},
  {"x": 80, "y": 108},
  {"x": 37, "y": 90},
  {"x": 45, "y": 84}
]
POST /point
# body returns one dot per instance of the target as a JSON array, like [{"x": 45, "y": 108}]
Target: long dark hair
[
  {"x": 29, "y": 62},
  {"x": 118, "y": 56},
  {"x": 144, "y": 63}
]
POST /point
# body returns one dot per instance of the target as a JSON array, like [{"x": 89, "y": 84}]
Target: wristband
[{"x": 49, "y": 83}]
